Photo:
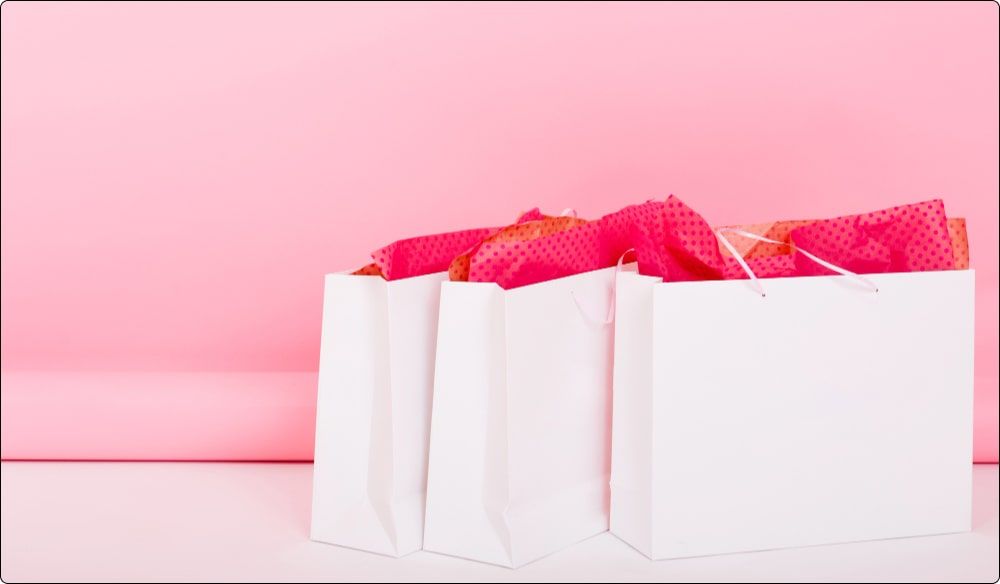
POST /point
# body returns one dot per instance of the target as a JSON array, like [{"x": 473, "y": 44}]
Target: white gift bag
[
  {"x": 520, "y": 433},
  {"x": 373, "y": 411},
  {"x": 822, "y": 412}
]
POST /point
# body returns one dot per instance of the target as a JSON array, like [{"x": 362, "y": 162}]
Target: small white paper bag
[
  {"x": 373, "y": 411},
  {"x": 519, "y": 460}
]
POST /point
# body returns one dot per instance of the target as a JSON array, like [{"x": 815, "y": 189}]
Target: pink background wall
[{"x": 176, "y": 178}]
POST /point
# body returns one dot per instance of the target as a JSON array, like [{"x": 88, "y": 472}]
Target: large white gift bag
[
  {"x": 373, "y": 411},
  {"x": 821, "y": 412},
  {"x": 519, "y": 462}
]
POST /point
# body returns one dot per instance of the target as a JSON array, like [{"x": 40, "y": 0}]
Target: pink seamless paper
[{"x": 177, "y": 178}]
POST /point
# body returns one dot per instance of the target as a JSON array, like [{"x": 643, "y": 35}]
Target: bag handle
[
  {"x": 611, "y": 309},
  {"x": 755, "y": 282}
]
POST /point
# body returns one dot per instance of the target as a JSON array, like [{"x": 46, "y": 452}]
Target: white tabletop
[{"x": 128, "y": 521}]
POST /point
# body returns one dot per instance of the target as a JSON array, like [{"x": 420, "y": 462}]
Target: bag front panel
[{"x": 823, "y": 412}]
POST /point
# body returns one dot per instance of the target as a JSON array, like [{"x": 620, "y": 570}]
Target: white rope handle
[
  {"x": 568, "y": 212},
  {"x": 611, "y": 309},
  {"x": 755, "y": 282}
]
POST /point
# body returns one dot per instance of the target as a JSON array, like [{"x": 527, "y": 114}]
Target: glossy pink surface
[{"x": 176, "y": 178}]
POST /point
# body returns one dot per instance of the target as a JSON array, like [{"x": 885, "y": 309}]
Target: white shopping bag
[
  {"x": 519, "y": 462},
  {"x": 373, "y": 411},
  {"x": 822, "y": 412}
]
